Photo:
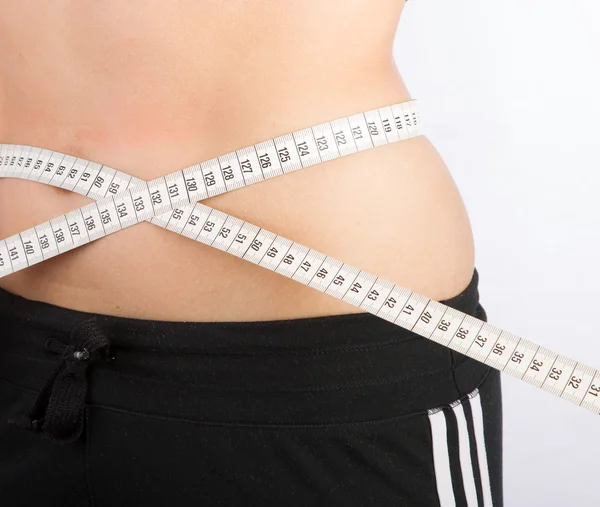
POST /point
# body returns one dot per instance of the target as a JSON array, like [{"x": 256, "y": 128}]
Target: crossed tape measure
[{"x": 169, "y": 203}]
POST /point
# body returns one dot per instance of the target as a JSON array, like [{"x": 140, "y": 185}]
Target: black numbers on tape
[
  {"x": 390, "y": 302},
  {"x": 192, "y": 184},
  {"x": 303, "y": 149},
  {"x": 240, "y": 238},
  {"x": 555, "y": 374},
  {"x": 89, "y": 223},
  {"x": 265, "y": 160},
  {"x": 14, "y": 253},
  {"x": 356, "y": 287},
  {"x": 224, "y": 232},
  {"x": 357, "y": 132},
  {"x": 74, "y": 228},
  {"x": 156, "y": 197},
  {"x": 536, "y": 365},
  {"x": 443, "y": 325},
  {"x": 462, "y": 333},
  {"x": 594, "y": 390},
  {"x": 575, "y": 382},
  {"x": 209, "y": 178},
  {"x": 338, "y": 280},
  {"x": 288, "y": 259},
  {"x": 105, "y": 217},
  {"x": 246, "y": 166},
  {"x": 322, "y": 143},
  {"x": 305, "y": 266},
  {"x": 408, "y": 309},
  {"x": 177, "y": 214},
  {"x": 59, "y": 235},
  {"x": 98, "y": 181},
  {"x": 284, "y": 155},
  {"x": 373, "y": 128},
  {"x": 227, "y": 173},
  {"x": 481, "y": 340},
  {"x": 173, "y": 190},
  {"x": 193, "y": 220},
  {"x": 85, "y": 176},
  {"x": 272, "y": 252},
  {"x": 44, "y": 242},
  {"x": 256, "y": 244},
  {"x": 373, "y": 295},
  {"x": 29, "y": 250},
  {"x": 387, "y": 128},
  {"x": 138, "y": 203},
  {"x": 517, "y": 357},
  {"x": 426, "y": 317},
  {"x": 208, "y": 226},
  {"x": 48, "y": 169},
  {"x": 399, "y": 125},
  {"x": 322, "y": 273},
  {"x": 498, "y": 349},
  {"x": 122, "y": 210},
  {"x": 340, "y": 137}
]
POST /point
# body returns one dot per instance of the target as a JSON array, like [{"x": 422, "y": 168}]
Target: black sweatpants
[{"x": 335, "y": 411}]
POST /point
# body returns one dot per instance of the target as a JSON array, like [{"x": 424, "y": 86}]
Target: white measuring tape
[
  {"x": 163, "y": 200},
  {"x": 166, "y": 201}
]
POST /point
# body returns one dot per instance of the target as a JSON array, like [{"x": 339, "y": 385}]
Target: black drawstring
[{"x": 58, "y": 412}]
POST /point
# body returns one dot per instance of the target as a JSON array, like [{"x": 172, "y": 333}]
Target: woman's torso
[{"x": 151, "y": 87}]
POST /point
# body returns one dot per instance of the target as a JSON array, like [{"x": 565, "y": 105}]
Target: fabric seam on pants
[
  {"x": 251, "y": 425},
  {"x": 286, "y": 426}
]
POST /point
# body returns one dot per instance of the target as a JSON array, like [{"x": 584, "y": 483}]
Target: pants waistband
[{"x": 313, "y": 371}]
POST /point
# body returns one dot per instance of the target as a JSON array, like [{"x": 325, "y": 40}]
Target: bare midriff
[{"x": 149, "y": 87}]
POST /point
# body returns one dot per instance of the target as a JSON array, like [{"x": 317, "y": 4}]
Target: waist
[{"x": 393, "y": 211}]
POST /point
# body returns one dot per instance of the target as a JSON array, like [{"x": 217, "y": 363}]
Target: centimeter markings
[
  {"x": 131, "y": 200},
  {"x": 559, "y": 375}
]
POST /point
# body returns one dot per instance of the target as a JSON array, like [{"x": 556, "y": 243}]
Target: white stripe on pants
[{"x": 441, "y": 455}]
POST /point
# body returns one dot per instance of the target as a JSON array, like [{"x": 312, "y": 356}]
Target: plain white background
[{"x": 509, "y": 95}]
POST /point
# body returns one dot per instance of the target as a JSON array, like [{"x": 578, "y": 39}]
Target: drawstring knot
[{"x": 58, "y": 412}]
